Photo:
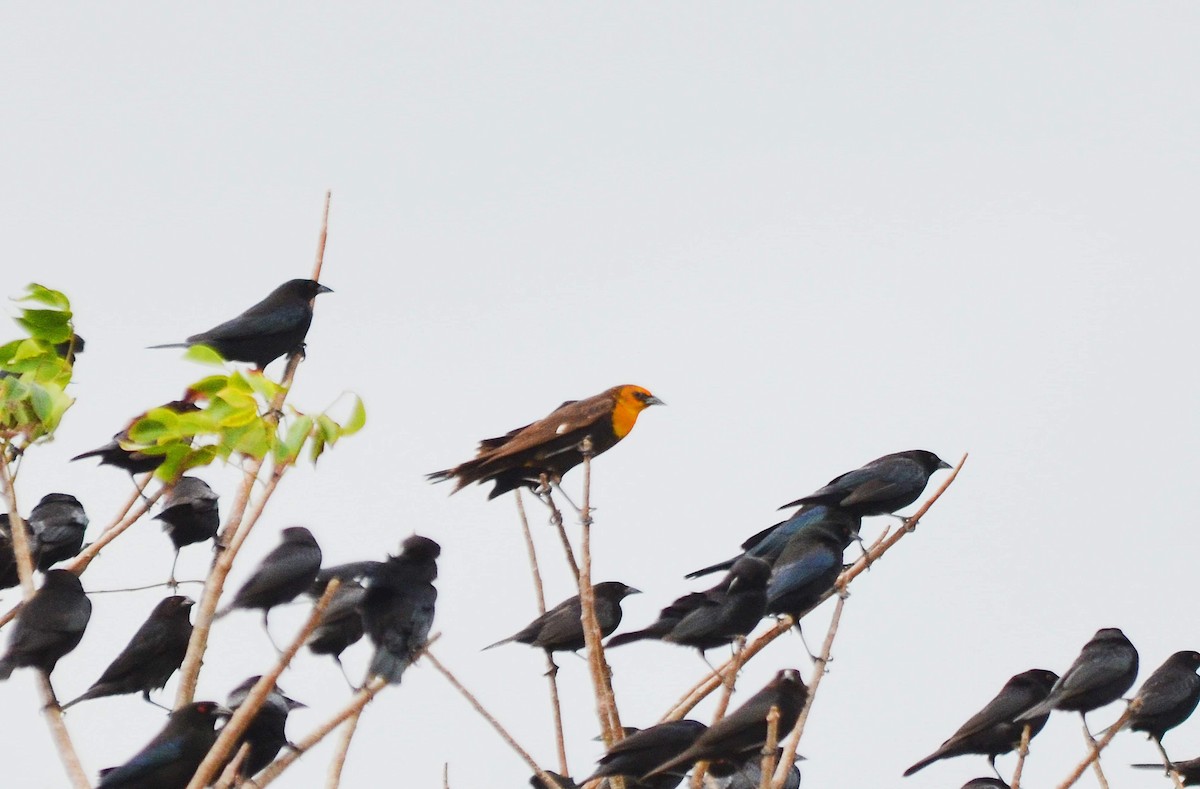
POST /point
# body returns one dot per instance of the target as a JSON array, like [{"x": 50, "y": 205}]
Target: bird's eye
[{"x": 640, "y": 396}]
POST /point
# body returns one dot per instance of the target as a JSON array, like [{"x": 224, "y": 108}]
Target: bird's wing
[
  {"x": 1005, "y": 707},
  {"x": 1090, "y": 672},
  {"x": 791, "y": 574},
  {"x": 561, "y": 425},
  {"x": 258, "y": 320},
  {"x": 145, "y": 761}
]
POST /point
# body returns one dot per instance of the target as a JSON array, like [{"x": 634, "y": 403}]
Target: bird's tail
[
  {"x": 167, "y": 345},
  {"x": 6, "y": 668},
  {"x": 498, "y": 643},
  {"x": 91, "y": 453},
  {"x": 74, "y": 701},
  {"x": 921, "y": 765},
  {"x": 1041, "y": 709},
  {"x": 712, "y": 568},
  {"x": 390, "y": 666},
  {"x": 628, "y": 638}
]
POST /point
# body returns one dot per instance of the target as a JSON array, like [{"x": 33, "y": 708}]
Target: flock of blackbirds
[
  {"x": 786, "y": 569},
  {"x": 391, "y": 602}
]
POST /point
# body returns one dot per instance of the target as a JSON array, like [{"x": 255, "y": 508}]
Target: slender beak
[
  {"x": 292, "y": 704},
  {"x": 324, "y": 289},
  {"x": 944, "y": 464},
  {"x": 652, "y": 400},
  {"x": 630, "y": 590}
]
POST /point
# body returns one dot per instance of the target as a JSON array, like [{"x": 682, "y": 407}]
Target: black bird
[
  {"x": 133, "y": 461},
  {"x": 189, "y": 514},
  {"x": 560, "y": 782},
  {"x": 266, "y": 731},
  {"x": 170, "y": 759},
  {"x": 341, "y": 624},
  {"x": 985, "y": 783},
  {"x": 1168, "y": 696},
  {"x": 559, "y": 629},
  {"x": 59, "y": 522},
  {"x": 993, "y": 730},
  {"x": 880, "y": 487},
  {"x": 150, "y": 658},
  {"x": 8, "y": 556},
  {"x": 281, "y": 576},
  {"x": 748, "y": 774},
  {"x": 350, "y": 571},
  {"x": 399, "y": 605},
  {"x": 271, "y": 328},
  {"x": 642, "y": 751},
  {"x": 704, "y": 620},
  {"x": 807, "y": 568},
  {"x": 50, "y": 624},
  {"x": 744, "y": 731},
  {"x": 1189, "y": 770},
  {"x": 770, "y": 542},
  {"x": 1105, "y": 668}
]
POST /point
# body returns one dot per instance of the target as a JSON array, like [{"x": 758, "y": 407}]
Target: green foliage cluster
[{"x": 35, "y": 371}]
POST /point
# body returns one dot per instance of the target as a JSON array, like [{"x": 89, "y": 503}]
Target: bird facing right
[
  {"x": 1106, "y": 667},
  {"x": 560, "y": 630},
  {"x": 880, "y": 487}
]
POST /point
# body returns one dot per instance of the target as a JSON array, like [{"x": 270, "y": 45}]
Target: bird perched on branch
[
  {"x": 281, "y": 576},
  {"x": 744, "y": 730},
  {"x": 399, "y": 606},
  {"x": 1168, "y": 697},
  {"x": 170, "y": 759},
  {"x": 552, "y": 446},
  {"x": 133, "y": 461},
  {"x": 748, "y": 774},
  {"x": 880, "y": 487},
  {"x": 770, "y": 542},
  {"x": 189, "y": 514},
  {"x": 560, "y": 629},
  {"x": 1106, "y": 667},
  {"x": 49, "y": 625},
  {"x": 643, "y": 750},
  {"x": 704, "y": 620},
  {"x": 994, "y": 730},
  {"x": 340, "y": 625},
  {"x": 276, "y": 325},
  {"x": 59, "y": 522},
  {"x": 266, "y": 731},
  {"x": 150, "y": 658},
  {"x": 8, "y": 555},
  {"x": 807, "y": 567}
]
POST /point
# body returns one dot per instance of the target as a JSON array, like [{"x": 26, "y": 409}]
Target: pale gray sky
[{"x": 820, "y": 232}]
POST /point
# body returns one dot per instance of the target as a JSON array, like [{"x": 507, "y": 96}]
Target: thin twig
[
  {"x": 143, "y": 588},
  {"x": 822, "y": 666},
  {"x": 230, "y": 773},
  {"x": 729, "y": 681},
  {"x": 551, "y": 666},
  {"x": 491, "y": 719},
  {"x": 114, "y": 530},
  {"x": 446, "y": 774},
  {"x": 237, "y": 527},
  {"x": 1096, "y": 767},
  {"x": 711, "y": 682},
  {"x": 1022, "y": 752},
  {"x": 556, "y": 520},
  {"x": 24, "y": 558},
  {"x": 1097, "y": 747},
  {"x": 768, "y": 749},
  {"x": 606, "y": 703},
  {"x": 258, "y": 694},
  {"x": 339, "y": 757}
]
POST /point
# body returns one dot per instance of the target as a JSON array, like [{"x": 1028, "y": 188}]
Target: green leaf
[
  {"x": 289, "y": 448},
  {"x": 358, "y": 418},
  {"x": 202, "y": 354},
  {"x": 43, "y": 295},
  {"x": 330, "y": 431}
]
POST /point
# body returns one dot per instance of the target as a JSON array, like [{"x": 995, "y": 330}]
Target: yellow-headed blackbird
[{"x": 551, "y": 446}]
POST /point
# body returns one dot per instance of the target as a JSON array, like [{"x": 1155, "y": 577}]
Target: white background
[{"x": 820, "y": 232}]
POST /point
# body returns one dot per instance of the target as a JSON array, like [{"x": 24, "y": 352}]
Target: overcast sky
[{"x": 819, "y": 232}]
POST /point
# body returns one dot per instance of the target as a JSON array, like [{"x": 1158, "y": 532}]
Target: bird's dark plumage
[
  {"x": 993, "y": 730},
  {"x": 276, "y": 325},
  {"x": 987, "y": 782},
  {"x": 341, "y": 624},
  {"x": 642, "y": 751},
  {"x": 808, "y": 567},
  {"x": 880, "y": 487},
  {"x": 769, "y": 543},
  {"x": 189, "y": 512},
  {"x": 1105, "y": 668},
  {"x": 399, "y": 605},
  {"x": 559, "y": 782},
  {"x": 559, "y": 629},
  {"x": 704, "y": 620},
  {"x": 744, "y": 731},
  {"x": 133, "y": 461},
  {"x": 49, "y": 625},
  {"x": 283, "y": 573},
  {"x": 150, "y": 658},
  {"x": 59, "y": 522},
  {"x": 8, "y": 556},
  {"x": 170, "y": 759},
  {"x": 1168, "y": 696},
  {"x": 266, "y": 732},
  {"x": 550, "y": 445},
  {"x": 748, "y": 774}
]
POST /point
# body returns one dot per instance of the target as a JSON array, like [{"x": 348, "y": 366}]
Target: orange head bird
[{"x": 551, "y": 446}]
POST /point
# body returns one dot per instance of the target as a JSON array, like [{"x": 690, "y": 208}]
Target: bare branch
[
  {"x": 1096, "y": 747},
  {"x": 339, "y": 757}
]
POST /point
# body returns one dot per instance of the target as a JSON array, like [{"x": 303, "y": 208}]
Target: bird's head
[
  {"x": 628, "y": 402},
  {"x": 305, "y": 289},
  {"x": 615, "y": 590}
]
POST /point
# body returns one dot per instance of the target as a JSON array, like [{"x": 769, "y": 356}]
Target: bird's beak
[
  {"x": 223, "y": 712},
  {"x": 944, "y": 464},
  {"x": 324, "y": 289},
  {"x": 652, "y": 400},
  {"x": 188, "y": 602},
  {"x": 630, "y": 590},
  {"x": 292, "y": 704}
]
